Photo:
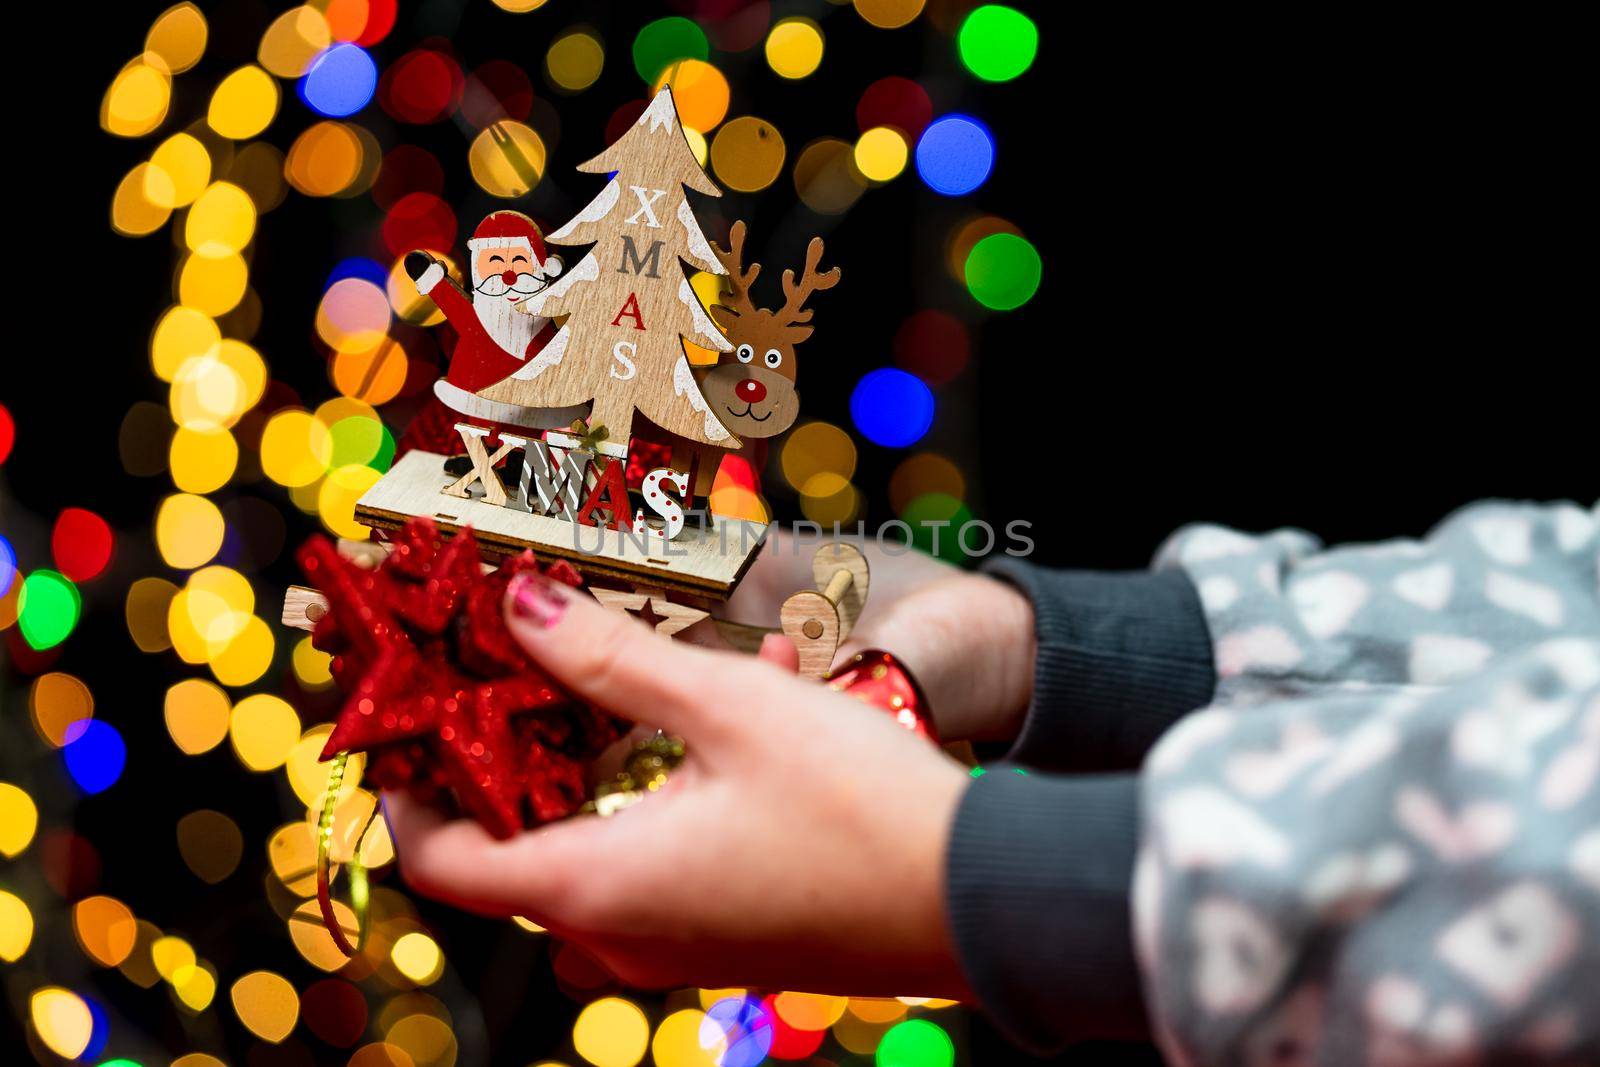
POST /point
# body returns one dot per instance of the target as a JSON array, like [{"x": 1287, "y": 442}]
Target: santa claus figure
[{"x": 493, "y": 339}]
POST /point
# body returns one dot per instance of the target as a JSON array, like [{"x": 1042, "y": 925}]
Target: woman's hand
[
  {"x": 799, "y": 846},
  {"x": 967, "y": 638}
]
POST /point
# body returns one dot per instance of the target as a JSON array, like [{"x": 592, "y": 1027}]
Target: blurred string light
[
  {"x": 47, "y": 609},
  {"x": 94, "y": 755},
  {"x": 575, "y": 60},
  {"x": 244, "y": 103},
  {"x": 880, "y": 154},
  {"x": 16, "y": 927},
  {"x": 81, "y": 543},
  {"x": 997, "y": 43},
  {"x": 58, "y": 701},
  {"x": 747, "y": 154},
  {"x": 955, "y": 155},
  {"x": 889, "y": 14},
  {"x": 739, "y": 1029},
  {"x": 916, "y": 1043},
  {"x": 18, "y": 820},
  {"x": 699, "y": 90},
  {"x": 62, "y": 1020},
  {"x": 612, "y": 1032},
  {"x": 666, "y": 41}
]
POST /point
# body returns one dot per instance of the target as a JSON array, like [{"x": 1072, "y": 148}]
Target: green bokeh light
[
  {"x": 915, "y": 1043},
  {"x": 666, "y": 41},
  {"x": 1003, "y": 271},
  {"x": 997, "y": 43},
  {"x": 941, "y": 541},
  {"x": 47, "y": 609}
]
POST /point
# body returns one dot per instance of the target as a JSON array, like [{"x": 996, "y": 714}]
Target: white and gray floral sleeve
[{"x": 1381, "y": 845}]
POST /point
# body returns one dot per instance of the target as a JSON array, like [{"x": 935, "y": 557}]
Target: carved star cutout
[{"x": 652, "y": 607}]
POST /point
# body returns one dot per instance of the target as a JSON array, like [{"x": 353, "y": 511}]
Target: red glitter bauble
[{"x": 875, "y": 677}]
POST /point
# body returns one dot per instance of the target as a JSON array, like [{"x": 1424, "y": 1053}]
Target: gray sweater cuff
[
  {"x": 1121, "y": 657},
  {"x": 1037, "y": 881}
]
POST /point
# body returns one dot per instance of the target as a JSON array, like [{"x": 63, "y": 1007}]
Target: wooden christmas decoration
[
  {"x": 628, "y": 305},
  {"x": 816, "y": 622}
]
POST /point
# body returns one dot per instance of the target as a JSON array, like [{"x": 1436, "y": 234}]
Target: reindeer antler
[
  {"x": 739, "y": 279},
  {"x": 810, "y": 282}
]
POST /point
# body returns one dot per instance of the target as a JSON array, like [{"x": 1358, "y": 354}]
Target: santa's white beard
[{"x": 510, "y": 328}]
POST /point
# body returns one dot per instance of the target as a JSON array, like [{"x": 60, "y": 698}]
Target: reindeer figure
[{"x": 751, "y": 389}]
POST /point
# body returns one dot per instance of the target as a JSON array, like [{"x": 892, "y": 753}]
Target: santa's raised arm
[{"x": 493, "y": 339}]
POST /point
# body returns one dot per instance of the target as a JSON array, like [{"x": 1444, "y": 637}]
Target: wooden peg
[
  {"x": 849, "y": 601},
  {"x": 811, "y": 621}
]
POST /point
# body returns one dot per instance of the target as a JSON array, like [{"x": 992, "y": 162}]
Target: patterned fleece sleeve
[
  {"x": 1287, "y": 618},
  {"x": 1386, "y": 877}
]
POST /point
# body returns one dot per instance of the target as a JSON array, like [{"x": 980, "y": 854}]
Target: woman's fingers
[
  {"x": 609, "y": 658},
  {"x": 455, "y": 860},
  {"x": 779, "y": 651}
]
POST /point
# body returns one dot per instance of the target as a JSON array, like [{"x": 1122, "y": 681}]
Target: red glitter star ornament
[{"x": 438, "y": 692}]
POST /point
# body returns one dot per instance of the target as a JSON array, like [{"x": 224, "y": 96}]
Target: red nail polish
[{"x": 536, "y": 599}]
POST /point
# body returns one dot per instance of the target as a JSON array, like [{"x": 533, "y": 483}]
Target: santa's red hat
[{"x": 512, "y": 229}]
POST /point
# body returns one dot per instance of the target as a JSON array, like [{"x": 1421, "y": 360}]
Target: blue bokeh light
[
  {"x": 744, "y": 1024},
  {"x": 99, "y": 1031},
  {"x": 955, "y": 154},
  {"x": 95, "y": 755},
  {"x": 340, "y": 82},
  {"x": 364, "y": 267},
  {"x": 8, "y": 565},
  {"x": 891, "y": 407}
]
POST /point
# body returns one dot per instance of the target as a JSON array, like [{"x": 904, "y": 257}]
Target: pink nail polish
[{"x": 536, "y": 599}]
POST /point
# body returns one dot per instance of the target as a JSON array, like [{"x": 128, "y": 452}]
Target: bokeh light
[
  {"x": 955, "y": 155},
  {"x": 244, "y": 103},
  {"x": 189, "y": 530},
  {"x": 794, "y": 47},
  {"x": 997, "y": 43},
  {"x": 699, "y": 90},
  {"x": 417, "y": 956},
  {"x": 62, "y": 1020},
  {"x": 19, "y": 817},
  {"x": 81, "y": 543},
  {"x": 263, "y": 728},
  {"x": 826, "y": 178},
  {"x": 667, "y": 41},
  {"x": 16, "y": 927},
  {"x": 740, "y": 1029},
  {"x": 889, "y": 14},
  {"x": 747, "y": 154},
  {"x": 880, "y": 154},
  {"x": 57, "y": 701},
  {"x": 293, "y": 40},
  {"x": 266, "y": 1004},
  {"x": 611, "y": 1032},
  {"x": 916, "y": 1043},
  {"x": 197, "y": 714},
  {"x": 575, "y": 60},
  {"x": 932, "y": 344},
  {"x": 136, "y": 102},
  {"x": 105, "y": 929},
  {"x": 896, "y": 102},
  {"x": 47, "y": 609},
  {"x": 1003, "y": 271},
  {"x": 178, "y": 37},
  {"x": 94, "y": 755},
  {"x": 210, "y": 844},
  {"x": 340, "y": 81},
  {"x": 892, "y": 408},
  {"x": 507, "y": 159}
]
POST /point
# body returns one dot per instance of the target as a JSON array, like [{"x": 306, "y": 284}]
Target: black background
[{"x": 1329, "y": 272}]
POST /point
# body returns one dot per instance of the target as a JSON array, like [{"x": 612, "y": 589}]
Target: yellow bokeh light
[
  {"x": 202, "y": 462},
  {"x": 267, "y": 1005},
  {"x": 677, "y": 1042},
  {"x": 311, "y": 667},
  {"x": 244, "y": 103},
  {"x": 417, "y": 956},
  {"x": 221, "y": 221},
  {"x": 263, "y": 729},
  {"x": 336, "y": 500},
  {"x": 139, "y": 206},
  {"x": 137, "y": 100},
  {"x": 208, "y": 393},
  {"x": 923, "y": 473},
  {"x": 308, "y": 774},
  {"x": 292, "y": 852},
  {"x": 197, "y": 713},
  {"x": 809, "y": 1011},
  {"x": 699, "y": 90},
  {"x": 105, "y": 929},
  {"x": 506, "y": 159},
  {"x": 56, "y": 701},
  {"x": 819, "y": 458},
  {"x": 211, "y": 846},
  {"x": 180, "y": 168},
  {"x": 146, "y": 608},
  {"x": 181, "y": 334},
  {"x": 139, "y": 968},
  {"x": 178, "y": 36},
  {"x": 197, "y": 1059},
  {"x": 889, "y": 14},
  {"x": 325, "y": 160},
  {"x": 296, "y": 448},
  {"x": 427, "y": 1040},
  {"x": 709, "y": 997},
  {"x": 247, "y": 657},
  {"x": 738, "y": 502},
  {"x": 195, "y": 986},
  {"x": 575, "y": 61},
  {"x": 611, "y": 1032},
  {"x": 794, "y": 47},
  {"x": 881, "y": 153},
  {"x": 519, "y": 7},
  {"x": 189, "y": 530},
  {"x": 826, "y": 178},
  {"x": 19, "y": 818},
  {"x": 312, "y": 940},
  {"x": 171, "y": 954},
  {"x": 213, "y": 284},
  {"x": 527, "y": 924},
  {"x": 16, "y": 927},
  {"x": 62, "y": 1021},
  {"x": 748, "y": 154},
  {"x": 842, "y": 506},
  {"x": 697, "y": 144},
  {"x": 294, "y": 39}
]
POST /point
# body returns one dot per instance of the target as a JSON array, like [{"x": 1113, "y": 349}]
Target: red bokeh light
[
  {"x": 8, "y": 433},
  {"x": 789, "y": 1043},
  {"x": 422, "y": 86},
  {"x": 497, "y": 90},
  {"x": 933, "y": 345},
  {"x": 81, "y": 544},
  {"x": 335, "y": 1011},
  {"x": 419, "y": 220},
  {"x": 407, "y": 169},
  {"x": 897, "y": 102},
  {"x": 623, "y": 118}
]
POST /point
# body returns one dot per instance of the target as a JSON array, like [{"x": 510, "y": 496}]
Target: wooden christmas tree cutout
[{"x": 628, "y": 305}]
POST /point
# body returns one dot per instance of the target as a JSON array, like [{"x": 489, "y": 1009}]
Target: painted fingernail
[{"x": 536, "y": 599}]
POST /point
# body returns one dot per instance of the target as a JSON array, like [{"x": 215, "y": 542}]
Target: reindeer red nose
[
  {"x": 750, "y": 391},
  {"x": 509, "y": 277}
]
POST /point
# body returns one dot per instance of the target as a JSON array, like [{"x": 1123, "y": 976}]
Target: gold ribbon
[{"x": 359, "y": 895}]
